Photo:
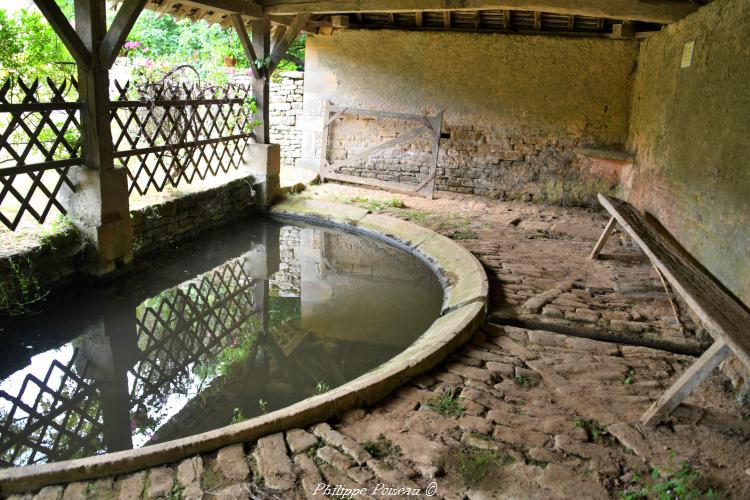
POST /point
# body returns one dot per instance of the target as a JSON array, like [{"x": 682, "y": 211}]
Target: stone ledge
[{"x": 447, "y": 333}]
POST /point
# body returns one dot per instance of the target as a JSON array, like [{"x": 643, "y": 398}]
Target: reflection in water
[{"x": 256, "y": 318}]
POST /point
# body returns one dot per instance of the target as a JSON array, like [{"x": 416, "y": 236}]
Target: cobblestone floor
[{"x": 532, "y": 407}]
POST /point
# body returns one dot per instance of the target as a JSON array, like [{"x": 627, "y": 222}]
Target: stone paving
[{"x": 520, "y": 411}]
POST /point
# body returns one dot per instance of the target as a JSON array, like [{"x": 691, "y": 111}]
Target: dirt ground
[{"x": 544, "y": 402}]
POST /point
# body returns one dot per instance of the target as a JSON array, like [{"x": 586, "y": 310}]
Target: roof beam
[
  {"x": 242, "y": 7},
  {"x": 661, "y": 11},
  {"x": 290, "y": 34},
  {"x": 247, "y": 45}
]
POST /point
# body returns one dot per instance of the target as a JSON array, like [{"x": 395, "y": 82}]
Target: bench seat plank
[{"x": 725, "y": 318}]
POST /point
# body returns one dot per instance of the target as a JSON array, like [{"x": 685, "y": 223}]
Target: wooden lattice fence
[
  {"x": 40, "y": 139},
  {"x": 170, "y": 132},
  {"x": 166, "y": 133}
]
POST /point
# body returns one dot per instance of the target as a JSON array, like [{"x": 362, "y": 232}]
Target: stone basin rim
[{"x": 450, "y": 330}]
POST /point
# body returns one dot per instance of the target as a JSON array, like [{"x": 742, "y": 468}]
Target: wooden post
[
  {"x": 99, "y": 205},
  {"x": 261, "y": 86},
  {"x": 688, "y": 381}
]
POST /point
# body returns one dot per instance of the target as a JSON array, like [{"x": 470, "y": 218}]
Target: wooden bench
[{"x": 723, "y": 316}]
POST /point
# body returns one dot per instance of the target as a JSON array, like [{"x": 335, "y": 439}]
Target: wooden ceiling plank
[{"x": 663, "y": 12}]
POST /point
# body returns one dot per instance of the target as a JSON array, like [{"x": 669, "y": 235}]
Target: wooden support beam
[
  {"x": 688, "y": 381},
  {"x": 603, "y": 238},
  {"x": 506, "y": 19},
  {"x": 340, "y": 21},
  {"x": 296, "y": 60},
  {"x": 663, "y": 12},
  {"x": 538, "y": 21},
  {"x": 447, "y": 19},
  {"x": 119, "y": 30},
  {"x": 418, "y": 18},
  {"x": 571, "y": 22},
  {"x": 247, "y": 45},
  {"x": 241, "y": 7},
  {"x": 291, "y": 34},
  {"x": 65, "y": 31},
  {"x": 261, "y": 29}
]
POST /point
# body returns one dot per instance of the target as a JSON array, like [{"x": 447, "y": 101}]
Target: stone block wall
[
  {"x": 27, "y": 277},
  {"x": 517, "y": 108},
  {"x": 159, "y": 226},
  {"x": 285, "y": 107}
]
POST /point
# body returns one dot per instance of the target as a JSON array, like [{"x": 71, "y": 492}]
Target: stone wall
[
  {"x": 287, "y": 281},
  {"x": 286, "y": 106},
  {"x": 516, "y": 107},
  {"x": 690, "y": 128},
  {"x": 285, "y": 110},
  {"x": 160, "y": 226}
]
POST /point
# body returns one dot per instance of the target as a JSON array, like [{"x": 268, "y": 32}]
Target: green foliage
[
  {"x": 238, "y": 416},
  {"x": 594, "y": 430},
  {"x": 447, "y": 405},
  {"x": 263, "y": 406},
  {"x": 681, "y": 482},
  {"x": 29, "y": 45},
  {"x": 382, "y": 448}
]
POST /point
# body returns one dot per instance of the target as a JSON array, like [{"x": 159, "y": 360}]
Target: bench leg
[
  {"x": 603, "y": 238},
  {"x": 684, "y": 385}
]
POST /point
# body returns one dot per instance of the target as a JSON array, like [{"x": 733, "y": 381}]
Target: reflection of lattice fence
[
  {"x": 53, "y": 418},
  {"x": 194, "y": 322},
  {"x": 40, "y": 141},
  {"x": 169, "y": 133}
]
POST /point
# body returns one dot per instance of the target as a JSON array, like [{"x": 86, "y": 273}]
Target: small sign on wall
[{"x": 687, "y": 54}]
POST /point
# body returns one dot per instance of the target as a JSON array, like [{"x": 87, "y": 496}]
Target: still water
[{"x": 249, "y": 320}]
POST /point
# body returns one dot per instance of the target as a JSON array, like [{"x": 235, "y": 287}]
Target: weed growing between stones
[
  {"x": 382, "y": 448},
  {"x": 175, "y": 493},
  {"x": 464, "y": 234},
  {"x": 21, "y": 291},
  {"x": 628, "y": 377},
  {"x": 594, "y": 430},
  {"x": 263, "y": 406},
  {"x": 525, "y": 382},
  {"x": 447, "y": 406},
  {"x": 321, "y": 388},
  {"x": 681, "y": 482},
  {"x": 473, "y": 464},
  {"x": 377, "y": 205}
]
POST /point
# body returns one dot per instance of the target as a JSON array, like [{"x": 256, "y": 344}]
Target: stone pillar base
[
  {"x": 99, "y": 208},
  {"x": 263, "y": 162}
]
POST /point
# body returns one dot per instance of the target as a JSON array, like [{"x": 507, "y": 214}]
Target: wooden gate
[{"x": 430, "y": 125}]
